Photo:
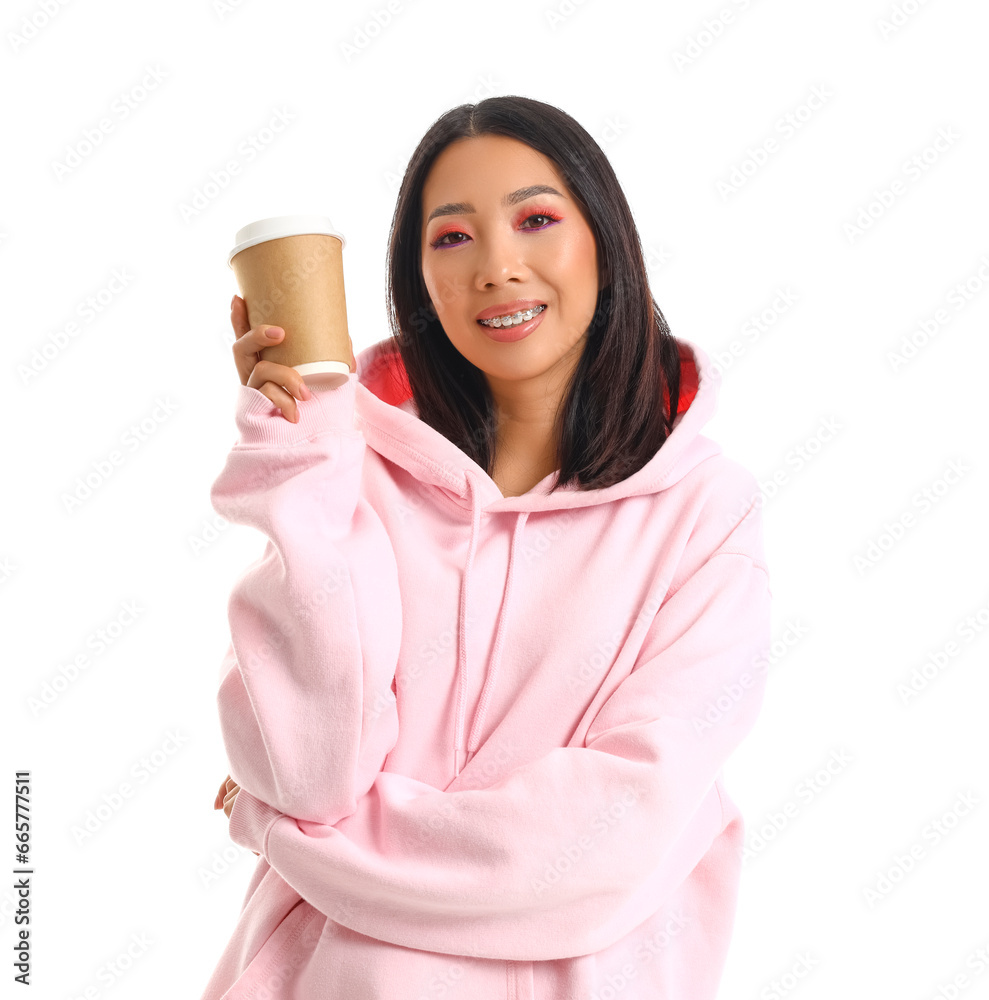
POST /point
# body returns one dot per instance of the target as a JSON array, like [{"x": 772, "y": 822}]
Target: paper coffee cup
[{"x": 290, "y": 272}]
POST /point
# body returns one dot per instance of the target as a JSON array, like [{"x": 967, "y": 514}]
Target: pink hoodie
[{"x": 480, "y": 738}]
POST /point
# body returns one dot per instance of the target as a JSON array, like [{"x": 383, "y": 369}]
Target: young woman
[{"x": 509, "y": 621}]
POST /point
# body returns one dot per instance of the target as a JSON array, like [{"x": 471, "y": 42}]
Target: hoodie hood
[{"x": 386, "y": 414}]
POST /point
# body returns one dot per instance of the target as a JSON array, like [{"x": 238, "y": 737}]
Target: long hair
[{"x": 612, "y": 419}]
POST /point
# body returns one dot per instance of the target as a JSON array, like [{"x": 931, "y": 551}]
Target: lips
[
  {"x": 507, "y": 308},
  {"x": 516, "y": 332}
]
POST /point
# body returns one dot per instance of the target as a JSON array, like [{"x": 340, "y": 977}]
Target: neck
[
  {"x": 527, "y": 410},
  {"x": 525, "y": 449}
]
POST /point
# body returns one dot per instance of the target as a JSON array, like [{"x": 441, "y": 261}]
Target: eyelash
[{"x": 539, "y": 213}]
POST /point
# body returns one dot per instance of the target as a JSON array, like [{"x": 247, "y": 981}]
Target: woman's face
[{"x": 489, "y": 239}]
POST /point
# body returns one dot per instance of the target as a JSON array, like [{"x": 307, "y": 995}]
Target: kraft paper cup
[{"x": 290, "y": 272}]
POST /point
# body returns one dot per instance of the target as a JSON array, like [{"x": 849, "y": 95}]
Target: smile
[{"x": 512, "y": 319}]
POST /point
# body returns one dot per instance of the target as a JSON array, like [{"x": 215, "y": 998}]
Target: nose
[{"x": 500, "y": 258}]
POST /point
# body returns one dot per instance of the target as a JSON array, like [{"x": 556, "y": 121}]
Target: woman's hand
[
  {"x": 282, "y": 384},
  {"x": 226, "y": 795}
]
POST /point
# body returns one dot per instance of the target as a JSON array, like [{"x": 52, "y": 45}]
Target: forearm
[{"x": 306, "y": 707}]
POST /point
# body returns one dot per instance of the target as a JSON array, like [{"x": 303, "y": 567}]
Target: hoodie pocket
[{"x": 520, "y": 985}]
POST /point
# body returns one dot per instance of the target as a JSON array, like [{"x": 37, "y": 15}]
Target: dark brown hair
[{"x": 612, "y": 420}]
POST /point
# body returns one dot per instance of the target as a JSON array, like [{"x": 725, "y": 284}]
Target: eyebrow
[{"x": 466, "y": 208}]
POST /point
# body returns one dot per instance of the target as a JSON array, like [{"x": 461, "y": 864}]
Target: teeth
[{"x": 513, "y": 319}]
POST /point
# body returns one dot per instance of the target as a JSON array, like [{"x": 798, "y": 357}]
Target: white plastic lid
[
  {"x": 324, "y": 374},
  {"x": 281, "y": 225}
]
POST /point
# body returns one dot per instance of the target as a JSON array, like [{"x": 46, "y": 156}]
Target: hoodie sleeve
[
  {"x": 306, "y": 707},
  {"x": 567, "y": 854}
]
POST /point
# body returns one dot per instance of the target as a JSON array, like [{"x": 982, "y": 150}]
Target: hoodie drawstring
[
  {"x": 489, "y": 683},
  {"x": 463, "y": 673},
  {"x": 458, "y": 743}
]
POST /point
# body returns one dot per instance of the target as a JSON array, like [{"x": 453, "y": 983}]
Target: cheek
[
  {"x": 578, "y": 274},
  {"x": 577, "y": 257},
  {"x": 587, "y": 254},
  {"x": 441, "y": 284},
  {"x": 428, "y": 277}
]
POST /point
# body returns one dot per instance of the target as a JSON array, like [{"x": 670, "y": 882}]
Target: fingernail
[
  {"x": 232, "y": 301},
  {"x": 273, "y": 331}
]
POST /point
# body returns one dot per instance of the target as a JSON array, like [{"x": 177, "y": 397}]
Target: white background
[{"x": 155, "y": 349}]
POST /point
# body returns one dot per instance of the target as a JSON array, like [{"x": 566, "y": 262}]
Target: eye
[
  {"x": 440, "y": 241},
  {"x": 550, "y": 219}
]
